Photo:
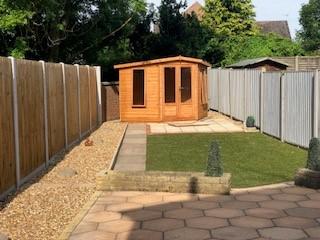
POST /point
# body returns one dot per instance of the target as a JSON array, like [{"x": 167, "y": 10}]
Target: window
[
  {"x": 138, "y": 87},
  {"x": 185, "y": 84},
  {"x": 170, "y": 85}
]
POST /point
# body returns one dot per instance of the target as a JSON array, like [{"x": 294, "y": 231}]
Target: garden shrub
[
  {"x": 214, "y": 164},
  {"x": 313, "y": 162},
  {"x": 250, "y": 121}
]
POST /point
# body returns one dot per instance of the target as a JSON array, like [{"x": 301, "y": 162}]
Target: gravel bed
[{"x": 45, "y": 206}]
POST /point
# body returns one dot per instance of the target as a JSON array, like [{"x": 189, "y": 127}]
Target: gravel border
[{"x": 43, "y": 207}]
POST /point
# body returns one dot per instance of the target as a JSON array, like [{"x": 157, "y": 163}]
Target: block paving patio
[{"x": 282, "y": 212}]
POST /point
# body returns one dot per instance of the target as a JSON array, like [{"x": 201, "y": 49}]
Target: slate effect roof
[
  {"x": 196, "y": 8},
  {"x": 250, "y": 62},
  {"x": 278, "y": 27}
]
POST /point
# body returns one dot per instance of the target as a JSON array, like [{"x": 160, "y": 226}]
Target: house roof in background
[
  {"x": 163, "y": 60},
  {"x": 278, "y": 27},
  {"x": 250, "y": 62},
  {"x": 195, "y": 8}
]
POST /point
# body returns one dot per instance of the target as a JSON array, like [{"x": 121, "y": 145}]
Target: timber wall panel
[
  {"x": 31, "y": 115},
  {"x": 72, "y": 102},
  {"x": 56, "y": 131},
  {"x": 84, "y": 99},
  {"x": 7, "y": 156},
  {"x": 93, "y": 96}
]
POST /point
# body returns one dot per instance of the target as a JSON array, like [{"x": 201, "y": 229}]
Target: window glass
[
  {"x": 138, "y": 87},
  {"x": 170, "y": 85},
  {"x": 185, "y": 84}
]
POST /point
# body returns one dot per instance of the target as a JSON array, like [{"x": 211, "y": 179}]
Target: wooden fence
[
  {"x": 45, "y": 109},
  {"x": 301, "y": 63}
]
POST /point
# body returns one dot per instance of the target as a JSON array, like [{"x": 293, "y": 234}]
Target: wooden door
[{"x": 177, "y": 92}]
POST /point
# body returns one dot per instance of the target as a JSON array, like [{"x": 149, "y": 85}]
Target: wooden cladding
[
  {"x": 138, "y": 88},
  {"x": 42, "y": 106}
]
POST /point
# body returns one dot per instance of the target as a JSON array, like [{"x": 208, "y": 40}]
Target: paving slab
[
  {"x": 250, "y": 214},
  {"x": 133, "y": 150}
]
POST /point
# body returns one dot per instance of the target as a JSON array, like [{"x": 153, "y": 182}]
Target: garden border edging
[{"x": 157, "y": 181}]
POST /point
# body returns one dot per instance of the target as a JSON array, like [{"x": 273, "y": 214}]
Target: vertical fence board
[
  {"x": 72, "y": 102},
  {"x": 93, "y": 96},
  {"x": 84, "y": 99},
  {"x": 31, "y": 116},
  {"x": 7, "y": 155},
  {"x": 56, "y": 131}
]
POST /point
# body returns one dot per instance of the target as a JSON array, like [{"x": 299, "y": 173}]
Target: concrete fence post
[
  {"x": 230, "y": 105},
  {"x": 16, "y": 121},
  {"x": 218, "y": 87},
  {"x": 89, "y": 96},
  {"x": 245, "y": 97},
  {"x": 99, "y": 105},
  {"x": 316, "y": 103},
  {"x": 282, "y": 116},
  {"x": 261, "y": 100},
  {"x": 65, "y": 105},
  {"x": 296, "y": 63},
  {"x": 45, "y": 103},
  {"x": 79, "y": 99}
]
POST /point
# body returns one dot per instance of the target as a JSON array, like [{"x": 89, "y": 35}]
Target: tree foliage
[
  {"x": 310, "y": 22},
  {"x": 230, "y": 17},
  {"x": 260, "y": 45}
]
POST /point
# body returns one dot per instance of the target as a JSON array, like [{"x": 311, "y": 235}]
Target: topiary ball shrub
[
  {"x": 214, "y": 164},
  {"x": 313, "y": 162},
  {"x": 250, "y": 121}
]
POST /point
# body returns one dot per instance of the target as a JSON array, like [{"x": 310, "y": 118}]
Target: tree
[
  {"x": 230, "y": 17},
  {"x": 310, "y": 22},
  {"x": 227, "y": 20}
]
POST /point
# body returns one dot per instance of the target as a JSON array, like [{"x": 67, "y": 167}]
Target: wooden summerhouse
[{"x": 167, "y": 89}]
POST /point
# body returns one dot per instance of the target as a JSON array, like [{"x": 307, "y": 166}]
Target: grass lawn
[{"x": 252, "y": 158}]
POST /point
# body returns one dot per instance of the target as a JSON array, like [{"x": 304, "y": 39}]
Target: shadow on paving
[{"x": 282, "y": 212}]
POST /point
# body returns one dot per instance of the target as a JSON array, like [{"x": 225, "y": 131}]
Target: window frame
[
  {"x": 175, "y": 84},
  {"x": 144, "y": 90}
]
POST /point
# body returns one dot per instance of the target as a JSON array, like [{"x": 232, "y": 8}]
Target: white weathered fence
[{"x": 285, "y": 105}]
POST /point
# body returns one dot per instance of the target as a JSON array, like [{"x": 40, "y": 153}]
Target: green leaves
[
  {"x": 11, "y": 18},
  {"x": 310, "y": 22}
]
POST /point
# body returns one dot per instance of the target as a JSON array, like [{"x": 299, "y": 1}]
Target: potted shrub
[
  {"x": 250, "y": 124},
  {"x": 310, "y": 176}
]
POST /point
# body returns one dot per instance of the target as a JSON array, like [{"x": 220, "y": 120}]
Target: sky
[{"x": 272, "y": 10}]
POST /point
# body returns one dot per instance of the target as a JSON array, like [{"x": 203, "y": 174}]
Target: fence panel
[
  {"x": 31, "y": 115},
  {"x": 7, "y": 155},
  {"x": 298, "y": 107},
  {"x": 213, "y": 85},
  {"x": 271, "y": 103},
  {"x": 72, "y": 103},
  {"x": 84, "y": 100},
  {"x": 252, "y": 104},
  {"x": 36, "y": 108},
  {"x": 224, "y": 91},
  {"x": 237, "y": 94},
  {"x": 55, "y": 94}
]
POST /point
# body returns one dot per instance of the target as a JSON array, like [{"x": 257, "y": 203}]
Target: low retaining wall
[{"x": 179, "y": 182}]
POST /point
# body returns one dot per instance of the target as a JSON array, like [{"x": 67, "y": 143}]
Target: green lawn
[{"x": 252, "y": 158}]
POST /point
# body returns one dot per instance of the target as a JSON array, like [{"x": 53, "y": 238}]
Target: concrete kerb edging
[
  {"x": 263, "y": 187},
  {"x": 77, "y": 219},
  {"x": 115, "y": 155}
]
